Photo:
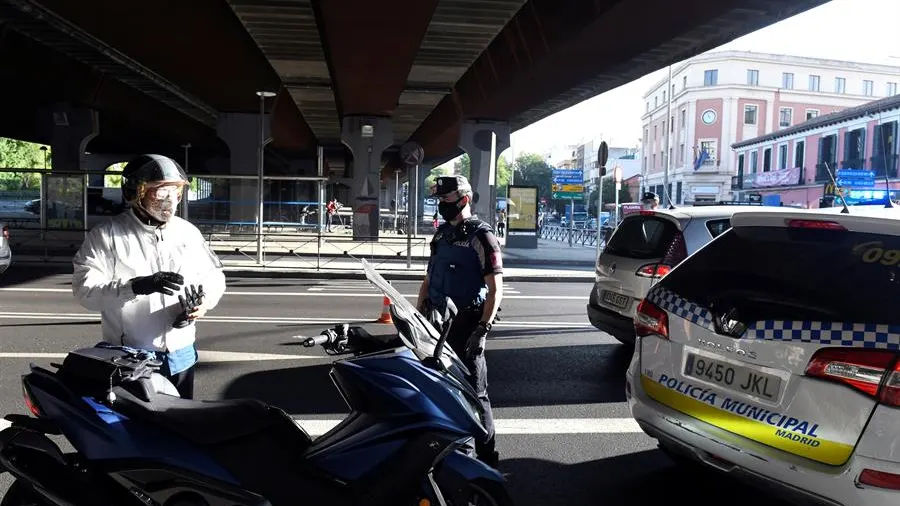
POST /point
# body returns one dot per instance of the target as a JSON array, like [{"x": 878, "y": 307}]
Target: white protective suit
[{"x": 116, "y": 251}]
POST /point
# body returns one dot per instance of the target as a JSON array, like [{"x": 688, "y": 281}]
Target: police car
[{"x": 773, "y": 354}]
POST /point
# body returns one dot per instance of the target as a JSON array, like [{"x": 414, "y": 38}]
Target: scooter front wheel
[{"x": 478, "y": 493}]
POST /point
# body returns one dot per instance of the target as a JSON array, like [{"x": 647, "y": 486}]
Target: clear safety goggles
[{"x": 166, "y": 192}]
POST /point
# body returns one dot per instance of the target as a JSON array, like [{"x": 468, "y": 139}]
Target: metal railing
[
  {"x": 580, "y": 236},
  {"x": 281, "y": 251}
]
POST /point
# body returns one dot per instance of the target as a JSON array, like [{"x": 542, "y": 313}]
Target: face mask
[
  {"x": 160, "y": 203},
  {"x": 449, "y": 210}
]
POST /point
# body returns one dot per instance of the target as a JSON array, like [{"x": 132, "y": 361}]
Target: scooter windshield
[{"x": 415, "y": 330}]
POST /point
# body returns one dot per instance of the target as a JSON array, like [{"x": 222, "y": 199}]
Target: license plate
[
  {"x": 616, "y": 299},
  {"x": 733, "y": 377}
]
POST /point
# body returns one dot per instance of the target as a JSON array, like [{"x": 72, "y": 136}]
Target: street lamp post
[{"x": 263, "y": 95}]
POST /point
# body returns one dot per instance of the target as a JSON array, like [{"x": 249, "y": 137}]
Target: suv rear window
[
  {"x": 642, "y": 237},
  {"x": 774, "y": 273}
]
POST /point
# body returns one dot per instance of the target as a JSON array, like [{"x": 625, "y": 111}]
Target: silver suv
[{"x": 644, "y": 248}]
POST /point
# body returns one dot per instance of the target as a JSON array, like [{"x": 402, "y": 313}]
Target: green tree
[
  {"x": 463, "y": 166},
  {"x": 16, "y": 154},
  {"x": 435, "y": 173},
  {"x": 532, "y": 170},
  {"x": 609, "y": 195}
]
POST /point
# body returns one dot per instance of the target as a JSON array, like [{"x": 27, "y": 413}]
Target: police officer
[
  {"x": 650, "y": 201},
  {"x": 133, "y": 267},
  {"x": 466, "y": 265}
]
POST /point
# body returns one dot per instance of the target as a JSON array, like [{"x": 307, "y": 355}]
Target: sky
[{"x": 852, "y": 30}]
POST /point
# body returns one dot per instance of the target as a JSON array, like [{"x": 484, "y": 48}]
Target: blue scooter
[{"x": 137, "y": 443}]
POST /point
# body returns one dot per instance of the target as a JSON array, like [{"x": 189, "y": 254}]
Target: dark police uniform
[{"x": 461, "y": 256}]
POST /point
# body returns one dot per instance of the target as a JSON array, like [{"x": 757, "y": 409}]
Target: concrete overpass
[{"x": 113, "y": 77}]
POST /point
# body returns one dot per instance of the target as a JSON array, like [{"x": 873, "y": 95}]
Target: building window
[
  {"x": 754, "y": 162},
  {"x": 709, "y": 147},
  {"x": 767, "y": 159},
  {"x": 655, "y": 102},
  {"x": 673, "y": 92},
  {"x": 782, "y": 156},
  {"x": 740, "y": 171},
  {"x": 753, "y": 77},
  {"x": 664, "y": 96},
  {"x": 750, "y": 112},
  {"x": 664, "y": 126},
  {"x": 681, "y": 154},
  {"x": 786, "y": 116},
  {"x": 648, "y": 106},
  {"x": 678, "y": 192},
  {"x": 646, "y": 135},
  {"x": 685, "y": 83},
  {"x": 683, "y": 118},
  {"x": 812, "y": 113},
  {"x": 840, "y": 85},
  {"x": 891, "y": 89},
  {"x": 672, "y": 124},
  {"x": 815, "y": 83},
  {"x": 787, "y": 81},
  {"x": 711, "y": 78},
  {"x": 655, "y": 132},
  {"x": 654, "y": 163},
  {"x": 645, "y": 165},
  {"x": 799, "y": 153},
  {"x": 868, "y": 88}
]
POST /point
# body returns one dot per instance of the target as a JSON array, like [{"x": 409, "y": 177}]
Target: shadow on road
[
  {"x": 646, "y": 477},
  {"x": 550, "y": 376},
  {"x": 19, "y": 274}
]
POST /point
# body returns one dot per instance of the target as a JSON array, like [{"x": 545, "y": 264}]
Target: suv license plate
[
  {"x": 733, "y": 377},
  {"x": 616, "y": 299}
]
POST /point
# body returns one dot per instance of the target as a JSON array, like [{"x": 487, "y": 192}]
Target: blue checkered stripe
[
  {"x": 859, "y": 335},
  {"x": 681, "y": 307}
]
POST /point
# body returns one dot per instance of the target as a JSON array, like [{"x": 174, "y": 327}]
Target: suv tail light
[
  {"x": 653, "y": 270},
  {"x": 880, "y": 479},
  {"x": 5, "y": 232},
  {"x": 815, "y": 224},
  {"x": 650, "y": 319},
  {"x": 864, "y": 370}
]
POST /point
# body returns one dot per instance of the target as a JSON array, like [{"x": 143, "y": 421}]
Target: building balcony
[
  {"x": 737, "y": 182},
  {"x": 854, "y": 163},
  {"x": 823, "y": 174},
  {"x": 885, "y": 165}
]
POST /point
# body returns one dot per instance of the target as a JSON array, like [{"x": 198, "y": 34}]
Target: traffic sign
[{"x": 568, "y": 184}]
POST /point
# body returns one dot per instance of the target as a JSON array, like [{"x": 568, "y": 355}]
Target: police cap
[
  {"x": 446, "y": 185},
  {"x": 650, "y": 196}
]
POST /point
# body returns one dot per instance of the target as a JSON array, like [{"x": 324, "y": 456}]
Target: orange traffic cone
[{"x": 385, "y": 312}]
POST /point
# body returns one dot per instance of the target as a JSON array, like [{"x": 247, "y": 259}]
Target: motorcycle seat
[{"x": 204, "y": 422}]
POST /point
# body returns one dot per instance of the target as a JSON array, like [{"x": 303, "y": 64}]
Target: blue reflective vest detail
[{"x": 455, "y": 269}]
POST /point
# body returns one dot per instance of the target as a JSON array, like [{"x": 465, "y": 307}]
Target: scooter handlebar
[{"x": 313, "y": 341}]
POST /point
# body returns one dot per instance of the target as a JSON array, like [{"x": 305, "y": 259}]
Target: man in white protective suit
[{"x": 134, "y": 267}]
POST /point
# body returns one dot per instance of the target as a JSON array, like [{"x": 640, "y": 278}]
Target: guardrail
[
  {"x": 299, "y": 250},
  {"x": 582, "y": 236}
]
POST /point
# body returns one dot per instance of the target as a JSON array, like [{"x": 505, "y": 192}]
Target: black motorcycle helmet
[{"x": 149, "y": 169}]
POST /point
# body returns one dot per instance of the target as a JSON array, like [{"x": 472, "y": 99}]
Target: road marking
[
  {"x": 287, "y": 320},
  {"x": 318, "y": 294},
  {"x": 205, "y": 356},
  {"x": 530, "y": 426}
]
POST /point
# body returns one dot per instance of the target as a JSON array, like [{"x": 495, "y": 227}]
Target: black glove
[
  {"x": 161, "y": 282},
  {"x": 190, "y": 301},
  {"x": 477, "y": 342}
]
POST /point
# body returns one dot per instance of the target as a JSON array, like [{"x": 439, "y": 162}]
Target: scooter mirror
[{"x": 450, "y": 310}]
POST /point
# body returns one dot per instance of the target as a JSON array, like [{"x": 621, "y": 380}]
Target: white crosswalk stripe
[
  {"x": 366, "y": 287},
  {"x": 536, "y": 426}
]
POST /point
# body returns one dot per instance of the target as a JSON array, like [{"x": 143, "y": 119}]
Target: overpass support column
[
  {"x": 73, "y": 128},
  {"x": 366, "y": 137},
  {"x": 240, "y": 132},
  {"x": 483, "y": 141}
]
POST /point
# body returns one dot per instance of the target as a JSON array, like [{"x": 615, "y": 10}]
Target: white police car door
[{"x": 784, "y": 330}]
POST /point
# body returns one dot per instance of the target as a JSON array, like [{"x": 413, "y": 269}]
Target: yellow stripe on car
[{"x": 813, "y": 448}]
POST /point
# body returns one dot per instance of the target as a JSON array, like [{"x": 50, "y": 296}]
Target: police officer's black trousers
[{"x": 463, "y": 326}]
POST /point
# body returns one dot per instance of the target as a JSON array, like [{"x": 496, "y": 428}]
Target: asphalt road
[{"x": 565, "y": 432}]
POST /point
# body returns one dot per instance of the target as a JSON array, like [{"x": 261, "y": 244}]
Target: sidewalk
[
  {"x": 552, "y": 253},
  {"x": 343, "y": 268}
]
